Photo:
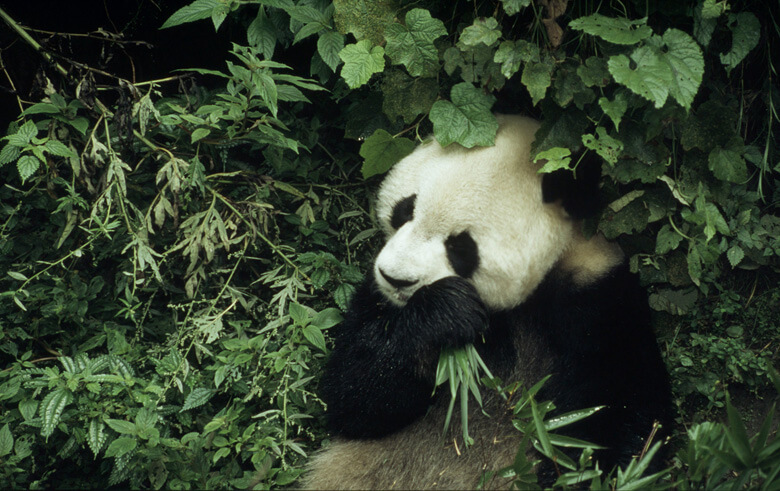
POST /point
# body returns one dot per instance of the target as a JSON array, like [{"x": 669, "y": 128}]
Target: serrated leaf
[
  {"x": 122, "y": 426},
  {"x": 381, "y": 151},
  {"x": 712, "y": 218},
  {"x": 27, "y": 165},
  {"x": 745, "y": 34},
  {"x": 466, "y": 119},
  {"x": 343, "y": 294},
  {"x": 412, "y": 45},
  {"x": 361, "y": 61},
  {"x": 407, "y": 97},
  {"x": 59, "y": 149},
  {"x": 685, "y": 61},
  {"x": 327, "y": 318},
  {"x": 735, "y": 255},
  {"x": 197, "y": 398},
  {"x": 6, "y": 440},
  {"x": 197, "y": 10},
  {"x": 24, "y": 134},
  {"x": 298, "y": 313},
  {"x": 366, "y": 19},
  {"x": 9, "y": 154},
  {"x": 41, "y": 108},
  {"x": 261, "y": 33},
  {"x": 667, "y": 240},
  {"x": 556, "y": 157},
  {"x": 51, "y": 410},
  {"x": 314, "y": 335},
  {"x": 329, "y": 45},
  {"x": 96, "y": 435},
  {"x": 482, "y": 31},
  {"x": 537, "y": 77},
  {"x": 727, "y": 165},
  {"x": 121, "y": 446},
  {"x": 508, "y": 55},
  {"x": 650, "y": 79},
  {"x": 616, "y": 30},
  {"x": 594, "y": 72}
]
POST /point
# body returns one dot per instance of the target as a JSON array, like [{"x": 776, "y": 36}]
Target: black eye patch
[
  {"x": 403, "y": 211},
  {"x": 463, "y": 254}
]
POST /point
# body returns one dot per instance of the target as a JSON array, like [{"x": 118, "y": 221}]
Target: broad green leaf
[
  {"x": 631, "y": 218},
  {"x": 96, "y": 435},
  {"x": 667, "y": 240},
  {"x": 651, "y": 78},
  {"x": 261, "y": 33},
  {"x": 327, "y": 318},
  {"x": 685, "y": 61},
  {"x": 711, "y": 217},
  {"x": 59, "y": 149},
  {"x": 365, "y": 19},
  {"x": 41, "y": 108},
  {"x": 199, "y": 134},
  {"x": 675, "y": 302},
  {"x": 509, "y": 56},
  {"x": 735, "y": 255},
  {"x": 412, "y": 44},
  {"x": 511, "y": 7},
  {"x": 9, "y": 154},
  {"x": 23, "y": 135},
  {"x": 467, "y": 119},
  {"x": 745, "y": 34},
  {"x": 482, "y": 31},
  {"x": 381, "y": 151},
  {"x": 407, "y": 97},
  {"x": 727, "y": 165},
  {"x": 607, "y": 147},
  {"x": 6, "y": 440},
  {"x": 121, "y": 446},
  {"x": 219, "y": 14},
  {"x": 314, "y": 335},
  {"x": 51, "y": 410},
  {"x": 360, "y": 62},
  {"x": 617, "y": 30},
  {"x": 594, "y": 72},
  {"x": 537, "y": 77},
  {"x": 614, "y": 109},
  {"x": 121, "y": 426},
  {"x": 329, "y": 45},
  {"x": 298, "y": 313},
  {"x": 556, "y": 158},
  {"x": 197, "y": 10},
  {"x": 197, "y": 398},
  {"x": 27, "y": 165}
]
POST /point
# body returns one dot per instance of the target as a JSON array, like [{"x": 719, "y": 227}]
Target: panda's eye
[
  {"x": 463, "y": 254},
  {"x": 403, "y": 211}
]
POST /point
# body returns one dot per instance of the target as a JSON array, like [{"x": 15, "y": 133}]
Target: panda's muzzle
[{"x": 395, "y": 282}]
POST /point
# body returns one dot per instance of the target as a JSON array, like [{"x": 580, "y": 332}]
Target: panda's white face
[{"x": 474, "y": 213}]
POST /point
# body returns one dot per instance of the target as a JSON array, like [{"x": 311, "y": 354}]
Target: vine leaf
[
  {"x": 537, "y": 77},
  {"x": 683, "y": 56},
  {"x": 360, "y": 62},
  {"x": 482, "y": 31},
  {"x": 727, "y": 165},
  {"x": 556, "y": 158},
  {"x": 467, "y": 119},
  {"x": 381, "y": 151},
  {"x": 745, "y": 31},
  {"x": 651, "y": 78},
  {"x": 616, "y": 30},
  {"x": 614, "y": 109},
  {"x": 412, "y": 45}
]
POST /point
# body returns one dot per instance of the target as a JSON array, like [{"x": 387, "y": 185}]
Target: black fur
[
  {"x": 403, "y": 211},
  {"x": 578, "y": 190},
  {"x": 463, "y": 254},
  {"x": 598, "y": 338}
]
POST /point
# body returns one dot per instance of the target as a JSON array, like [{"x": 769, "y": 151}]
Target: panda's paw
[{"x": 453, "y": 311}]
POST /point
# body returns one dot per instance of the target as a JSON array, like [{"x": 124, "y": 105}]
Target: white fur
[{"x": 494, "y": 193}]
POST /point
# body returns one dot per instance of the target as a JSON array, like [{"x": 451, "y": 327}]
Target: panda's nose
[{"x": 395, "y": 282}]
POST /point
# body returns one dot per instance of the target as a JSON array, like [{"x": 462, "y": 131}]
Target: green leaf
[
  {"x": 412, "y": 44},
  {"x": 327, "y": 318},
  {"x": 607, "y": 147},
  {"x": 694, "y": 265},
  {"x": 651, "y": 78},
  {"x": 96, "y": 435},
  {"x": 366, "y": 19},
  {"x": 41, "y": 108},
  {"x": 199, "y": 134},
  {"x": 121, "y": 446},
  {"x": 735, "y": 255},
  {"x": 667, "y": 240},
  {"x": 737, "y": 435},
  {"x": 537, "y": 77},
  {"x": 407, "y": 97},
  {"x": 745, "y": 34},
  {"x": 727, "y": 165},
  {"x": 467, "y": 119},
  {"x": 59, "y": 149},
  {"x": 684, "y": 58},
  {"x": 27, "y": 165},
  {"x": 594, "y": 72},
  {"x": 298, "y": 313},
  {"x": 329, "y": 45},
  {"x": 556, "y": 157},
  {"x": 51, "y": 410},
  {"x": 6, "y": 440},
  {"x": 381, "y": 151},
  {"x": 614, "y": 109},
  {"x": 360, "y": 62},
  {"x": 9, "y": 154},
  {"x": 261, "y": 34},
  {"x": 482, "y": 31},
  {"x": 197, "y": 398},
  {"x": 511, "y": 7},
  {"x": 711, "y": 217},
  {"x": 122, "y": 426},
  {"x": 565, "y": 419},
  {"x": 315, "y": 337},
  {"x": 616, "y": 30},
  {"x": 197, "y": 10},
  {"x": 509, "y": 56}
]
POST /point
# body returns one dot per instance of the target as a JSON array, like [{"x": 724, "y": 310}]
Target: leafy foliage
[{"x": 172, "y": 259}]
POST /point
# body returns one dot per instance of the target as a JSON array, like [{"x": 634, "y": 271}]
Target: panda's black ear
[{"x": 577, "y": 191}]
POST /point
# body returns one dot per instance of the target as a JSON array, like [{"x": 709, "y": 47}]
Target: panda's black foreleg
[{"x": 381, "y": 372}]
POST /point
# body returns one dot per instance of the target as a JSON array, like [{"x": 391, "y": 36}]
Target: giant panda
[{"x": 483, "y": 249}]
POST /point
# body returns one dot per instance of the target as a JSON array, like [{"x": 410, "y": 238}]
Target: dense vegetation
[{"x": 174, "y": 251}]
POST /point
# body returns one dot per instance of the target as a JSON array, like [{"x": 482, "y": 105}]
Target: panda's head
[{"x": 475, "y": 213}]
